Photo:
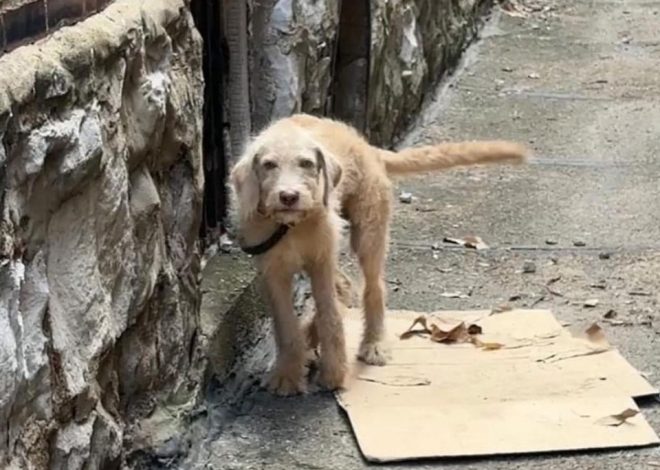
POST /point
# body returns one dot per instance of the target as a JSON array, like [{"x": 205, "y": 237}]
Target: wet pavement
[{"x": 580, "y": 84}]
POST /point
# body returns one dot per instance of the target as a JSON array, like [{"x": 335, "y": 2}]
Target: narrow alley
[{"x": 578, "y": 82}]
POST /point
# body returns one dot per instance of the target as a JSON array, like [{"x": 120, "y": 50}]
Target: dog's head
[{"x": 284, "y": 175}]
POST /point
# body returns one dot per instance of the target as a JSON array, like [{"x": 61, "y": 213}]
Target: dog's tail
[{"x": 447, "y": 155}]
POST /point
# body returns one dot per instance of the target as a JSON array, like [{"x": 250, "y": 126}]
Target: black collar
[{"x": 266, "y": 245}]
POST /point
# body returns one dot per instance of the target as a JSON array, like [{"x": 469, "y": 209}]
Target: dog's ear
[
  {"x": 245, "y": 184},
  {"x": 331, "y": 170}
]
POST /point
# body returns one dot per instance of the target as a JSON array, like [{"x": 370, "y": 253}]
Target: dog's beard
[{"x": 288, "y": 217}]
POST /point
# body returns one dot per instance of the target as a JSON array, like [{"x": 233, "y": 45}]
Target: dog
[{"x": 289, "y": 189}]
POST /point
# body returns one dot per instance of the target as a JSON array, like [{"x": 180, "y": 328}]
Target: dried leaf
[
  {"x": 620, "y": 418},
  {"x": 410, "y": 332},
  {"x": 468, "y": 242},
  {"x": 501, "y": 309},
  {"x": 610, "y": 314},
  {"x": 474, "y": 330},
  {"x": 590, "y": 303},
  {"x": 456, "y": 334},
  {"x": 552, "y": 280},
  {"x": 475, "y": 242},
  {"x": 640, "y": 293},
  {"x": 513, "y": 9},
  {"x": 454, "y": 295},
  {"x": 595, "y": 333},
  {"x": 486, "y": 346},
  {"x": 553, "y": 291},
  {"x": 491, "y": 346}
]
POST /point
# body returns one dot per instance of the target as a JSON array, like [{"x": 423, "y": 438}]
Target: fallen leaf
[
  {"x": 610, "y": 314},
  {"x": 554, "y": 292},
  {"x": 552, "y": 280},
  {"x": 456, "y": 334},
  {"x": 640, "y": 293},
  {"x": 486, "y": 346},
  {"x": 405, "y": 197},
  {"x": 475, "y": 242},
  {"x": 501, "y": 308},
  {"x": 468, "y": 242},
  {"x": 474, "y": 330},
  {"x": 529, "y": 267},
  {"x": 590, "y": 303},
  {"x": 619, "y": 418},
  {"x": 454, "y": 295},
  {"x": 410, "y": 332},
  {"x": 595, "y": 333},
  {"x": 513, "y": 9}
]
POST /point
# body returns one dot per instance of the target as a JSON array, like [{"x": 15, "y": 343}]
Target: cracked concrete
[{"x": 591, "y": 111}]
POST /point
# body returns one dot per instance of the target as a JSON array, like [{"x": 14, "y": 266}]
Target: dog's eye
[
  {"x": 306, "y": 164},
  {"x": 269, "y": 165}
]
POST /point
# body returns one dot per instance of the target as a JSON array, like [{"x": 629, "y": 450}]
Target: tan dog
[{"x": 289, "y": 187}]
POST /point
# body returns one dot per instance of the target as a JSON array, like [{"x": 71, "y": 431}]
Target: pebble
[
  {"x": 405, "y": 197},
  {"x": 529, "y": 267},
  {"x": 579, "y": 243}
]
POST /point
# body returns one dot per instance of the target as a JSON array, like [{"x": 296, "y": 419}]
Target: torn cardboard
[{"x": 543, "y": 390}]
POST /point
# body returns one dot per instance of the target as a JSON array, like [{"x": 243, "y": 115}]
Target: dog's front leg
[
  {"x": 329, "y": 326},
  {"x": 289, "y": 374}
]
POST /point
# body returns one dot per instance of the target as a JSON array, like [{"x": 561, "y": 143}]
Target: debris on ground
[
  {"x": 514, "y": 9},
  {"x": 529, "y": 267},
  {"x": 619, "y": 418},
  {"x": 595, "y": 334},
  {"x": 454, "y": 295},
  {"x": 590, "y": 303},
  {"x": 579, "y": 243},
  {"x": 534, "y": 76},
  {"x": 550, "y": 242},
  {"x": 471, "y": 241},
  {"x": 604, "y": 255},
  {"x": 610, "y": 314},
  {"x": 458, "y": 333},
  {"x": 501, "y": 309},
  {"x": 598, "y": 285},
  {"x": 405, "y": 197},
  {"x": 639, "y": 293}
]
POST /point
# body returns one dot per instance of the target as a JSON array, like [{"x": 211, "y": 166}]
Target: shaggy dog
[{"x": 290, "y": 187}]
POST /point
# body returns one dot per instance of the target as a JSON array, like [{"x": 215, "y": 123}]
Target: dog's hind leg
[{"x": 369, "y": 239}]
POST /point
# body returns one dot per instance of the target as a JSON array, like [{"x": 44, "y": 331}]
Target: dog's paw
[
  {"x": 332, "y": 378},
  {"x": 375, "y": 354},
  {"x": 287, "y": 381}
]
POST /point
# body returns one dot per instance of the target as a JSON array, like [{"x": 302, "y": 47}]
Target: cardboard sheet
[{"x": 544, "y": 390}]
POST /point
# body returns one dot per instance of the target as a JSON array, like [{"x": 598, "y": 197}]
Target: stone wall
[
  {"x": 101, "y": 186},
  {"x": 413, "y": 43}
]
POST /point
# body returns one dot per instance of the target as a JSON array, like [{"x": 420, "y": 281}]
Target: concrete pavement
[{"x": 580, "y": 84}]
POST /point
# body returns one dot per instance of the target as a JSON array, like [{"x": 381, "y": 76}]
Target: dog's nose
[{"x": 289, "y": 198}]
